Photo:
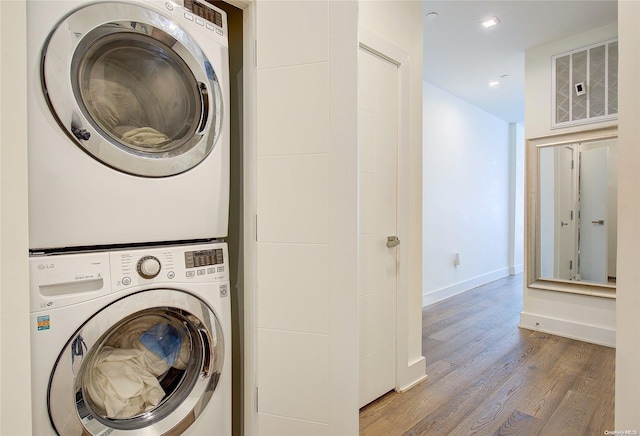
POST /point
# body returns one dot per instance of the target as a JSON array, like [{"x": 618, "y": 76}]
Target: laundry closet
[{"x": 300, "y": 198}]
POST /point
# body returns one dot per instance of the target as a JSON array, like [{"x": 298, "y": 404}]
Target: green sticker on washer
[{"x": 44, "y": 323}]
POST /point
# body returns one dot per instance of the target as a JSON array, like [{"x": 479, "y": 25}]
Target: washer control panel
[{"x": 164, "y": 265}]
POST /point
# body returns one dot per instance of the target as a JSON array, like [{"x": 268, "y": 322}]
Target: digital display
[
  {"x": 204, "y": 11},
  {"x": 193, "y": 259}
]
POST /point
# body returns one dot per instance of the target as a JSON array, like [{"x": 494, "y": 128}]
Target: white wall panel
[
  {"x": 293, "y": 277},
  {"x": 306, "y": 207},
  {"x": 294, "y": 107},
  {"x": 293, "y": 374},
  {"x": 293, "y": 199},
  {"x": 343, "y": 360},
  {"x": 271, "y": 425},
  {"x": 292, "y": 33}
]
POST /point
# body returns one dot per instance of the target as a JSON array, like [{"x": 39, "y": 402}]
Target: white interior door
[
  {"x": 378, "y": 162},
  {"x": 593, "y": 215},
  {"x": 565, "y": 204}
]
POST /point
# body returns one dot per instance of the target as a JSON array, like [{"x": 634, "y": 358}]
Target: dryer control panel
[{"x": 203, "y": 15}]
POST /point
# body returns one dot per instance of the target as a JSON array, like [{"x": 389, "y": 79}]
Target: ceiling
[{"x": 462, "y": 57}]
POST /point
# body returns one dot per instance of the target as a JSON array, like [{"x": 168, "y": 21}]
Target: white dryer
[
  {"x": 131, "y": 342},
  {"x": 128, "y": 122}
]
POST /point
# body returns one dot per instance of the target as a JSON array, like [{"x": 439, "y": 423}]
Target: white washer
[
  {"x": 128, "y": 128},
  {"x": 87, "y": 308}
]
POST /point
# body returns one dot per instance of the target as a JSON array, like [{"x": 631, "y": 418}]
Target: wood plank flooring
[{"x": 488, "y": 377}]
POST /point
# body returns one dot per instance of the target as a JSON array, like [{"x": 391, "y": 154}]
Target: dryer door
[
  {"x": 132, "y": 88},
  {"x": 151, "y": 361}
]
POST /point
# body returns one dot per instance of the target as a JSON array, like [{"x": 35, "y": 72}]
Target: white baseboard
[
  {"x": 582, "y": 332},
  {"x": 516, "y": 269},
  {"x": 460, "y": 287},
  {"x": 414, "y": 374}
]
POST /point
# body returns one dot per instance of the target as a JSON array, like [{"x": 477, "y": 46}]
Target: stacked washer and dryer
[{"x": 128, "y": 106}]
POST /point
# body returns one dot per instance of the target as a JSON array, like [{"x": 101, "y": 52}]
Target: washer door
[
  {"x": 151, "y": 361},
  {"x": 132, "y": 89}
]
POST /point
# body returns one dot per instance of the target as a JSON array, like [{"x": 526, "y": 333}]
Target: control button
[
  {"x": 149, "y": 267},
  {"x": 126, "y": 281},
  {"x": 188, "y": 16},
  {"x": 209, "y": 26},
  {"x": 169, "y": 6},
  {"x": 191, "y": 273},
  {"x": 211, "y": 270},
  {"x": 201, "y": 272},
  {"x": 171, "y": 275},
  {"x": 220, "y": 269},
  {"x": 219, "y": 31},
  {"x": 199, "y": 21}
]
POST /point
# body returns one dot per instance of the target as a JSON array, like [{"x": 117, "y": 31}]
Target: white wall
[
  {"x": 15, "y": 379},
  {"x": 628, "y": 291},
  {"x": 466, "y": 201},
  {"x": 581, "y": 317},
  {"x": 399, "y": 22},
  {"x": 307, "y": 322},
  {"x": 516, "y": 195}
]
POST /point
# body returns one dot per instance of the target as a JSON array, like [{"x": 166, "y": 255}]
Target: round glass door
[
  {"x": 132, "y": 89},
  {"x": 136, "y": 365},
  {"x": 138, "y": 92}
]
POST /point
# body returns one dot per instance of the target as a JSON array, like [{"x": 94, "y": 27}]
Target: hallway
[{"x": 488, "y": 377}]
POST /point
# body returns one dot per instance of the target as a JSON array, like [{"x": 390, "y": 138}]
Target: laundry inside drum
[
  {"x": 141, "y": 364},
  {"x": 140, "y": 93}
]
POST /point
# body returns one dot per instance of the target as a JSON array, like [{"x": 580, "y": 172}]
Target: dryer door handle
[
  {"x": 204, "y": 104},
  {"x": 81, "y": 134}
]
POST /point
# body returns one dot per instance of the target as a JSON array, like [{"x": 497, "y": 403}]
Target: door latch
[{"x": 392, "y": 241}]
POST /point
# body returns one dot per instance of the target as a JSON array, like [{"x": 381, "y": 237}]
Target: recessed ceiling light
[
  {"x": 490, "y": 22},
  {"x": 494, "y": 83}
]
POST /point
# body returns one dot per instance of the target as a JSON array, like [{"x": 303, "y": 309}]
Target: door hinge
[
  {"x": 572, "y": 215},
  {"x": 257, "y": 410},
  {"x": 572, "y": 164},
  {"x": 571, "y": 265}
]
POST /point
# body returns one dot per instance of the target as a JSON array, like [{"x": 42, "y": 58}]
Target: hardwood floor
[{"x": 488, "y": 377}]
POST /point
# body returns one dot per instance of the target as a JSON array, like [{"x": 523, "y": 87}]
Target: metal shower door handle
[
  {"x": 599, "y": 222},
  {"x": 392, "y": 241}
]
